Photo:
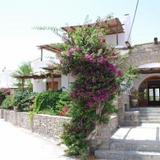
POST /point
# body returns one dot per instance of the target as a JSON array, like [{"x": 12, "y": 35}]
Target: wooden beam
[{"x": 41, "y": 54}]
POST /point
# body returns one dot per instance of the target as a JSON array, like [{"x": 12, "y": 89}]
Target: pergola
[
  {"x": 36, "y": 76},
  {"x": 112, "y": 26}
]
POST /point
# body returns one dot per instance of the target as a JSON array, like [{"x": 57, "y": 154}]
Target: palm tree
[{"x": 23, "y": 70}]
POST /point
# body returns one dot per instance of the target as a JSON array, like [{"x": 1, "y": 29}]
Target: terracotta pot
[{"x": 134, "y": 102}]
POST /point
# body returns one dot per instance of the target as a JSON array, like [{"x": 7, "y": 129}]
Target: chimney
[{"x": 155, "y": 40}]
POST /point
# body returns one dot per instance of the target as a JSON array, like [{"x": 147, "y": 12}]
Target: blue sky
[{"x": 18, "y": 40}]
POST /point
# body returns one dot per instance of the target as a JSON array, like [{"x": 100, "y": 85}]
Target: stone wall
[
  {"x": 52, "y": 126},
  {"x": 101, "y": 136},
  {"x": 123, "y": 105},
  {"x": 131, "y": 118},
  {"x": 46, "y": 125},
  {"x": 144, "y": 53}
]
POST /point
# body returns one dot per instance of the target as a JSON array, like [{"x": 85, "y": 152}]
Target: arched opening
[{"x": 149, "y": 92}]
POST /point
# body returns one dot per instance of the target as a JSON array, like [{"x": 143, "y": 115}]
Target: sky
[{"x": 19, "y": 41}]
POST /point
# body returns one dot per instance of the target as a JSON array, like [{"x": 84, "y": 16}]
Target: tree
[{"x": 23, "y": 70}]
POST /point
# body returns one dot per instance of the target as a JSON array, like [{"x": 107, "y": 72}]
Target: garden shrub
[
  {"x": 64, "y": 104},
  {"x": 23, "y": 100},
  {"x": 3, "y": 93},
  {"x": 45, "y": 102},
  {"x": 2, "y": 97},
  {"x": 8, "y": 102}
]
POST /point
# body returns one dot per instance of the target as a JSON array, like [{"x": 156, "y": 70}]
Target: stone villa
[{"x": 139, "y": 104}]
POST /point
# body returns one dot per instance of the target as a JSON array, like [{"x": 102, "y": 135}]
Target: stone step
[
  {"x": 149, "y": 118},
  {"x": 149, "y": 121},
  {"x": 145, "y": 109},
  {"x": 126, "y": 155},
  {"x": 134, "y": 145},
  {"x": 150, "y": 114}
]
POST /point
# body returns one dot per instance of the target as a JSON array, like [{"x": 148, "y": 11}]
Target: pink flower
[
  {"x": 90, "y": 103},
  {"x": 102, "y": 60},
  {"x": 119, "y": 73},
  {"x": 89, "y": 58},
  {"x": 112, "y": 68},
  {"x": 72, "y": 50}
]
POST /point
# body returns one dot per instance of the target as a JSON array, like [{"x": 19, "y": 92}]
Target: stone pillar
[{"x": 123, "y": 104}]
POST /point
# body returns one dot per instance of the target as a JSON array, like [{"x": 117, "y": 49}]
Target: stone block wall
[
  {"x": 131, "y": 118},
  {"x": 46, "y": 125},
  {"x": 143, "y": 54},
  {"x": 52, "y": 126}
]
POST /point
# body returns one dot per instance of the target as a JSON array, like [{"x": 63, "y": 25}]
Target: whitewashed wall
[
  {"x": 6, "y": 79},
  {"x": 39, "y": 85},
  {"x": 66, "y": 81},
  {"x": 122, "y": 37},
  {"x": 37, "y": 65}
]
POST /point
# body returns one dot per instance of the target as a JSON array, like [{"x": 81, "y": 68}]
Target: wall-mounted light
[
  {"x": 128, "y": 45},
  {"x": 155, "y": 40}
]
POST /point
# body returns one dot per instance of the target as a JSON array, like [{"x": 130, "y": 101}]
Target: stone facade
[
  {"x": 148, "y": 53},
  {"x": 49, "y": 126},
  {"x": 143, "y": 54}
]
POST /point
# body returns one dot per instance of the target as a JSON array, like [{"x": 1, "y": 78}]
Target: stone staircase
[
  {"x": 135, "y": 143},
  {"x": 149, "y": 114}
]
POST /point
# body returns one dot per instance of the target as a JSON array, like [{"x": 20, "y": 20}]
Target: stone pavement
[{"x": 20, "y": 144}]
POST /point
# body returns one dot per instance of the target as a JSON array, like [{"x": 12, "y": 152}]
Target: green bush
[
  {"x": 64, "y": 104},
  {"x": 8, "y": 102},
  {"x": 47, "y": 101},
  {"x": 23, "y": 100},
  {"x": 2, "y": 97}
]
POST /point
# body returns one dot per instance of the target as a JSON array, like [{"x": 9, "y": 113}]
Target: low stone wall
[
  {"x": 49, "y": 126},
  {"x": 131, "y": 118},
  {"x": 52, "y": 126},
  {"x": 104, "y": 133}
]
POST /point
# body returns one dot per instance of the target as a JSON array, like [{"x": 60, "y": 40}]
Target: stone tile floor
[
  {"x": 20, "y": 144},
  {"x": 146, "y": 132}
]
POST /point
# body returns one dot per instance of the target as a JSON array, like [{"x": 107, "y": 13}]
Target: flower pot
[{"x": 134, "y": 102}]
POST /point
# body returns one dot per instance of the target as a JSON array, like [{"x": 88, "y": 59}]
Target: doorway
[
  {"x": 149, "y": 92},
  {"x": 154, "y": 93}
]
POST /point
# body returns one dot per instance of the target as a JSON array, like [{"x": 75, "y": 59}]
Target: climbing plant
[{"x": 99, "y": 77}]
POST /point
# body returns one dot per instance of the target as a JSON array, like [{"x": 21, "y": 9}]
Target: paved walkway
[{"x": 20, "y": 144}]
